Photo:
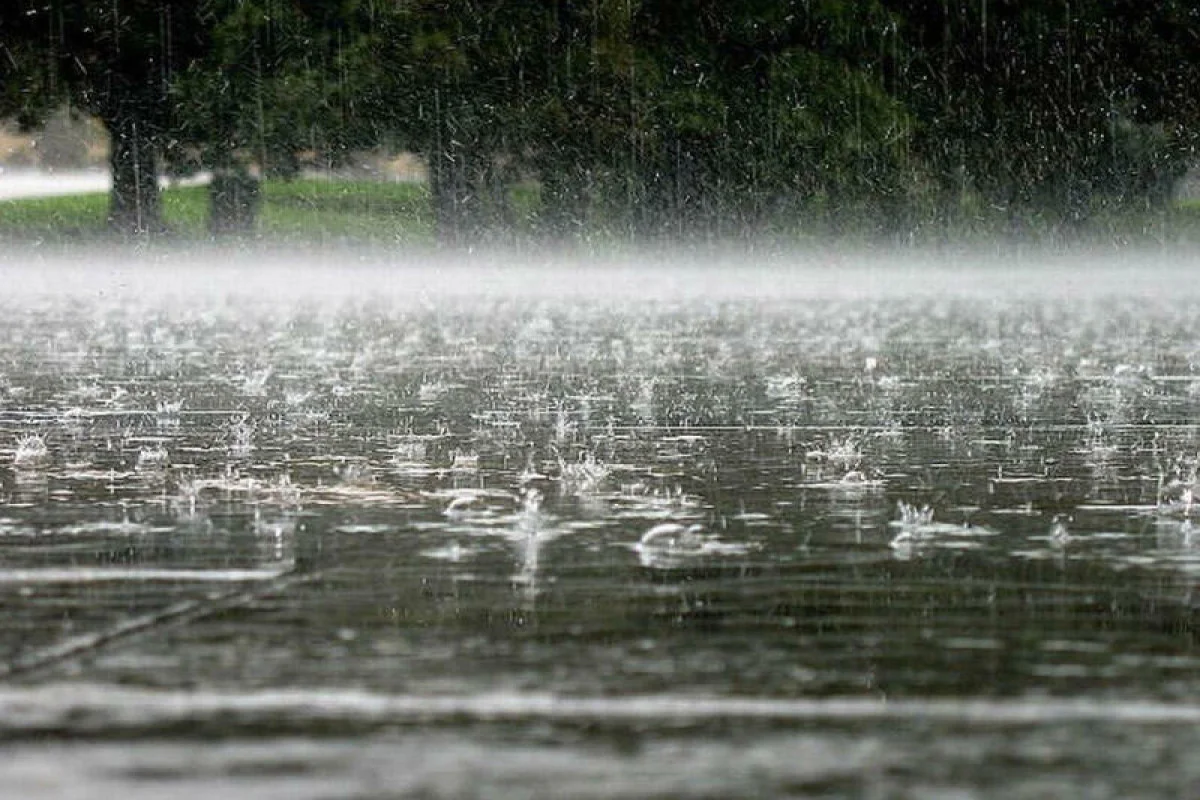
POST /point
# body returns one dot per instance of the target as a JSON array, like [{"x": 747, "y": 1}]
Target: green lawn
[
  {"x": 311, "y": 210},
  {"x": 318, "y": 211}
]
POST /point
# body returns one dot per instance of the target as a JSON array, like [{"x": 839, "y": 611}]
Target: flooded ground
[{"x": 810, "y": 530}]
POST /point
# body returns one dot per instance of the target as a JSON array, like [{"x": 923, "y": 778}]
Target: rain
[{"x": 605, "y": 399}]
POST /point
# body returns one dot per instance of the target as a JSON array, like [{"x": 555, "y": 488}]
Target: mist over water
[
  {"x": 666, "y": 274},
  {"x": 664, "y": 524}
]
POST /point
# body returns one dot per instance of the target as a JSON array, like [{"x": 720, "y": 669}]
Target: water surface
[{"x": 497, "y": 529}]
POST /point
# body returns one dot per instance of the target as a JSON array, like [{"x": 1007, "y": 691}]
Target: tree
[
  {"x": 451, "y": 80},
  {"x": 1053, "y": 109},
  {"x": 654, "y": 117},
  {"x": 272, "y": 91},
  {"x": 757, "y": 114},
  {"x": 116, "y": 60}
]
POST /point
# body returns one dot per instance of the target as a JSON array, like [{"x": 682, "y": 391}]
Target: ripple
[
  {"x": 108, "y": 574},
  {"x": 89, "y": 707}
]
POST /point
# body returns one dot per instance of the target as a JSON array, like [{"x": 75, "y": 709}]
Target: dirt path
[{"x": 18, "y": 183}]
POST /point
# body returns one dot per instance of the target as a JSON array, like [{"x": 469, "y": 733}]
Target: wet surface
[{"x": 418, "y": 543}]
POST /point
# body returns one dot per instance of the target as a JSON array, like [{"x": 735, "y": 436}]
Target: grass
[
  {"x": 319, "y": 211},
  {"x": 300, "y": 211},
  {"x": 355, "y": 211},
  {"x": 68, "y": 217}
]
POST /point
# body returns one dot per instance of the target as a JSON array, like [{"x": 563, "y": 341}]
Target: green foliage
[
  {"x": 1050, "y": 109},
  {"x": 117, "y": 61},
  {"x": 274, "y": 91},
  {"x": 572, "y": 118}
]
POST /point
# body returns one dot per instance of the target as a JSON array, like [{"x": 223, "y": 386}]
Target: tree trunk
[
  {"x": 134, "y": 206},
  {"x": 233, "y": 200},
  {"x": 456, "y": 202},
  {"x": 564, "y": 214}
]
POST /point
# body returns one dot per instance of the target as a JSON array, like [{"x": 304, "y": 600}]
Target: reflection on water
[{"x": 888, "y": 496}]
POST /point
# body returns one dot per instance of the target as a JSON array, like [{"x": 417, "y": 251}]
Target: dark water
[{"x": 405, "y": 533}]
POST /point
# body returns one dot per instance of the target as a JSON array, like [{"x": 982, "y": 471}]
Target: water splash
[
  {"x": 31, "y": 451},
  {"x": 1059, "y": 535},
  {"x": 918, "y": 529},
  {"x": 670, "y": 545}
]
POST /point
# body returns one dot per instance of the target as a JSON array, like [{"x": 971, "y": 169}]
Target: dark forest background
[{"x": 649, "y": 118}]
